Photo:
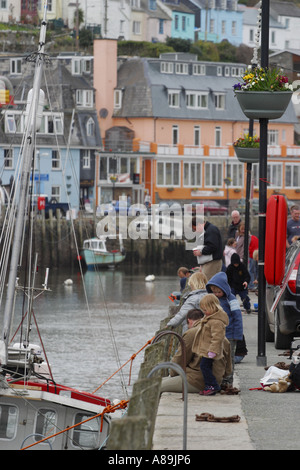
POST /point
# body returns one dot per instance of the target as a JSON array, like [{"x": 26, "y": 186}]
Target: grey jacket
[{"x": 192, "y": 301}]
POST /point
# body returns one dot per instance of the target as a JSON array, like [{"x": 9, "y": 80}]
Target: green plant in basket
[
  {"x": 247, "y": 141},
  {"x": 264, "y": 79}
]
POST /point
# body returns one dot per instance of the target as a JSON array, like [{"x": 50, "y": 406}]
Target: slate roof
[
  {"x": 145, "y": 93},
  {"x": 285, "y": 9},
  {"x": 60, "y": 86}
]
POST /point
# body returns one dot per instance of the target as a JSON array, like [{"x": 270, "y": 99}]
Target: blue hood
[{"x": 220, "y": 280}]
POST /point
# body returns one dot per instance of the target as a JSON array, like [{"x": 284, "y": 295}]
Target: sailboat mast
[{"x": 27, "y": 156}]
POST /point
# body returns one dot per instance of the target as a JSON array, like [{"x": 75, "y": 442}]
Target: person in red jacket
[{"x": 253, "y": 245}]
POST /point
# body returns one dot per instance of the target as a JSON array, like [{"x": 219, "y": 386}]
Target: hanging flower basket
[
  {"x": 263, "y": 104},
  {"x": 263, "y": 93},
  {"x": 247, "y": 155}
]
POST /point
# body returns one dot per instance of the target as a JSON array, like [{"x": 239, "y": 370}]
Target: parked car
[
  {"x": 121, "y": 207},
  {"x": 157, "y": 225},
  {"x": 210, "y": 207},
  {"x": 284, "y": 324},
  {"x": 254, "y": 204}
]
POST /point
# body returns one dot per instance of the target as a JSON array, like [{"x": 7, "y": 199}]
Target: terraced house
[{"x": 178, "y": 118}]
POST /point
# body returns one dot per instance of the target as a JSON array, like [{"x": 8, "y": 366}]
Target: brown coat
[
  {"x": 210, "y": 334},
  {"x": 221, "y": 367}
]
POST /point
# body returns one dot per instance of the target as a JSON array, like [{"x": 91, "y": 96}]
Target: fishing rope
[{"x": 131, "y": 359}]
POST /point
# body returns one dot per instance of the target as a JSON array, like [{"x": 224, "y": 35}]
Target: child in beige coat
[{"x": 209, "y": 340}]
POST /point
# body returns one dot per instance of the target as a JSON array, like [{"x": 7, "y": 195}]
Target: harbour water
[{"x": 86, "y": 343}]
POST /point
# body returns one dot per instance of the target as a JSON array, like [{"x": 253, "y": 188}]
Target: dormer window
[
  {"x": 166, "y": 67},
  {"x": 90, "y": 127},
  {"x": 199, "y": 69},
  {"x": 84, "y": 98},
  {"x": 117, "y": 99},
  {"x": 182, "y": 69}
]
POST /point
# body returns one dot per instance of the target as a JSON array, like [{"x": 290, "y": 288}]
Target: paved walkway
[{"x": 201, "y": 435}]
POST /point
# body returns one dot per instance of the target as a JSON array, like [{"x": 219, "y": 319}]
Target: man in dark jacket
[
  {"x": 235, "y": 223},
  {"x": 238, "y": 278},
  {"x": 209, "y": 248}
]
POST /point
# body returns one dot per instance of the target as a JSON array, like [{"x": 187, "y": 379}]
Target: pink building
[{"x": 169, "y": 124}]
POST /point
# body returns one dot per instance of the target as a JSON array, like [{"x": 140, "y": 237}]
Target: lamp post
[{"x": 263, "y": 122}]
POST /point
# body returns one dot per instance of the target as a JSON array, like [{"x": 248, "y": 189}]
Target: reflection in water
[{"x": 86, "y": 344}]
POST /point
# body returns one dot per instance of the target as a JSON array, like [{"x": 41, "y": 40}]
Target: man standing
[
  {"x": 209, "y": 249},
  {"x": 235, "y": 223},
  {"x": 293, "y": 226}
]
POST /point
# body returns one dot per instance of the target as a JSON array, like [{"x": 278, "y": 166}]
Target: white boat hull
[{"x": 29, "y": 414}]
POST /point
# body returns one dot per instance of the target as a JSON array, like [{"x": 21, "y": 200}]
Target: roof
[
  {"x": 284, "y": 9},
  {"x": 146, "y": 93}
]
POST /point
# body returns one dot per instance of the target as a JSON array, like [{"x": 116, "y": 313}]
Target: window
[
  {"x": 233, "y": 28},
  {"x": 8, "y": 159},
  {"x": 55, "y": 160},
  {"x": 197, "y": 136},
  {"x": 168, "y": 174},
  {"x": 173, "y": 98},
  {"x": 136, "y": 27},
  {"x": 3, "y": 4},
  {"x": 15, "y": 66},
  {"x": 211, "y": 25},
  {"x": 152, "y": 4},
  {"x": 161, "y": 27},
  {"x": 272, "y": 137},
  {"x": 223, "y": 27},
  {"x": 196, "y": 100},
  {"x": 176, "y": 22},
  {"x": 182, "y": 69},
  {"x": 199, "y": 69},
  {"x": 86, "y": 435},
  {"x": 86, "y": 159},
  {"x": 52, "y": 123},
  {"x": 213, "y": 174},
  {"x": 235, "y": 72},
  {"x": 76, "y": 66},
  {"x": 175, "y": 135},
  {"x": 218, "y": 136},
  {"x": 220, "y": 101},
  {"x": 84, "y": 98},
  {"x": 8, "y": 421},
  {"x": 227, "y": 71},
  {"x": 45, "y": 424},
  {"x": 55, "y": 193},
  {"x": 235, "y": 171},
  {"x": 219, "y": 71},
  {"x": 292, "y": 175},
  {"x": 251, "y": 35},
  {"x": 90, "y": 127},
  {"x": 183, "y": 19},
  {"x": 274, "y": 175},
  {"x": 166, "y": 67},
  {"x": 192, "y": 174},
  {"x": 117, "y": 99}
]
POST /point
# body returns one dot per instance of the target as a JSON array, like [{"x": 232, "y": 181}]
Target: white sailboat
[{"x": 35, "y": 411}]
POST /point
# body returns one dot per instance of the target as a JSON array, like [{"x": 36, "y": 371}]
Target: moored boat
[{"x": 96, "y": 254}]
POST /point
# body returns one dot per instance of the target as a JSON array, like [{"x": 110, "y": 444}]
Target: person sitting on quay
[
  {"x": 219, "y": 286},
  {"x": 197, "y": 283},
  {"x": 221, "y": 367},
  {"x": 208, "y": 342},
  {"x": 183, "y": 273}
]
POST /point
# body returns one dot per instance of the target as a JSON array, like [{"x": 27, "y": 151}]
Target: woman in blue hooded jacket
[{"x": 219, "y": 286}]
